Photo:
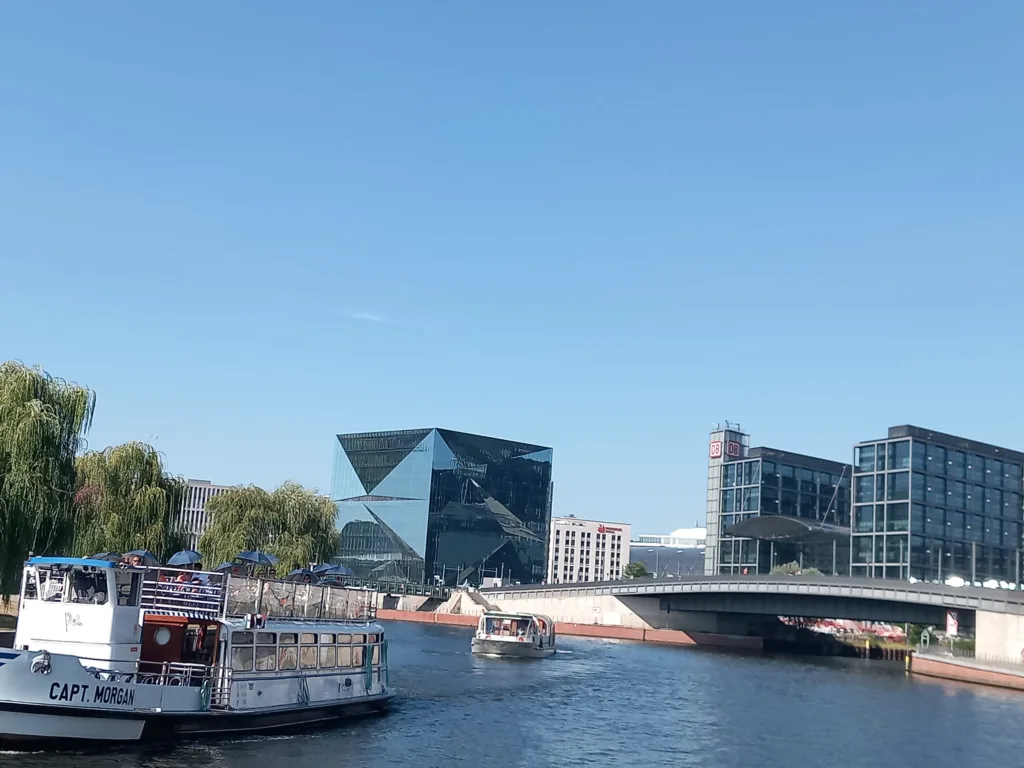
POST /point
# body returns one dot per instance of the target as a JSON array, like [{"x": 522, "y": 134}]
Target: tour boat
[
  {"x": 113, "y": 653},
  {"x": 521, "y": 635}
]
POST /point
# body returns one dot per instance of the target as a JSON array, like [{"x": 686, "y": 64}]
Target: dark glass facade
[
  {"x": 931, "y": 506},
  {"x": 772, "y": 482},
  {"x": 438, "y": 506}
]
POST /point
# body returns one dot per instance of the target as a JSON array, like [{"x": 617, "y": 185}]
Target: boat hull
[
  {"x": 27, "y": 726},
  {"x": 511, "y": 650}
]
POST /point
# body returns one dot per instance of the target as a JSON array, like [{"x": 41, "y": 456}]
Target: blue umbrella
[
  {"x": 336, "y": 570},
  {"x": 322, "y": 568},
  {"x": 224, "y": 567},
  {"x": 185, "y": 557},
  {"x": 257, "y": 558},
  {"x": 110, "y": 557},
  {"x": 299, "y": 573},
  {"x": 148, "y": 558}
]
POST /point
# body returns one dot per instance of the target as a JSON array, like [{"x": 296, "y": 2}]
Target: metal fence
[{"x": 995, "y": 662}]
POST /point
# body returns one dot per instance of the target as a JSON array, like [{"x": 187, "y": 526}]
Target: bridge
[{"x": 737, "y": 604}]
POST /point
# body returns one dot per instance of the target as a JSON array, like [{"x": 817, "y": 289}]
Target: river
[{"x": 608, "y": 703}]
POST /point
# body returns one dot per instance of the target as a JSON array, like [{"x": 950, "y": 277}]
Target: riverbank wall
[
  {"x": 572, "y": 629},
  {"x": 966, "y": 671}
]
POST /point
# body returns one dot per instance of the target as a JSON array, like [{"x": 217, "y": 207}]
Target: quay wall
[
  {"x": 573, "y": 629},
  {"x": 965, "y": 671}
]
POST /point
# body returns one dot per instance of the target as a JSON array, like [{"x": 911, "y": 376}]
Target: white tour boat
[
  {"x": 108, "y": 653},
  {"x": 522, "y": 635}
]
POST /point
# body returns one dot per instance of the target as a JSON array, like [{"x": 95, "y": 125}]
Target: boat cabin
[
  {"x": 498, "y": 626},
  {"x": 114, "y": 616}
]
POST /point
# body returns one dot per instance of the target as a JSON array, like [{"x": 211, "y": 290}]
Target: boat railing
[
  {"x": 181, "y": 592},
  {"x": 298, "y": 601}
]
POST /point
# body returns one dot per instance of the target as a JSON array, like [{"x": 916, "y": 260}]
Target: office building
[
  {"x": 586, "y": 550},
  {"x": 768, "y": 507},
  {"x": 930, "y": 506},
  {"x": 192, "y": 518},
  {"x": 439, "y": 506},
  {"x": 676, "y": 554},
  {"x": 681, "y": 538}
]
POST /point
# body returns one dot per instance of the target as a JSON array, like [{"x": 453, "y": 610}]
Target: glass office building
[
  {"x": 439, "y": 506},
  {"x": 768, "y": 507},
  {"x": 930, "y": 506}
]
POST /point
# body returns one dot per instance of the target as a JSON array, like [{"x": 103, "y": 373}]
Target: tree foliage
[
  {"x": 291, "y": 522},
  {"x": 43, "y": 422},
  {"x": 125, "y": 500},
  {"x": 636, "y": 570},
  {"x": 794, "y": 569}
]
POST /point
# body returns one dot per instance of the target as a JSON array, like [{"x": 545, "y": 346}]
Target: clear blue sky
[{"x": 599, "y": 226}]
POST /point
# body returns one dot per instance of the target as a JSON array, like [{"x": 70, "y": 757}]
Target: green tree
[
  {"x": 291, "y": 522},
  {"x": 43, "y": 422},
  {"x": 636, "y": 570},
  {"x": 125, "y": 500},
  {"x": 794, "y": 569}
]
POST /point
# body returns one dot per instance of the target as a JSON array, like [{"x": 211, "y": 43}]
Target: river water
[{"x": 608, "y": 703}]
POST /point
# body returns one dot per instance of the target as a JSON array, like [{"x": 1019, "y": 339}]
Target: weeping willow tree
[
  {"x": 293, "y": 523},
  {"x": 43, "y": 422},
  {"x": 125, "y": 500}
]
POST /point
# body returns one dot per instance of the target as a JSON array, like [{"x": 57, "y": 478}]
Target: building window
[
  {"x": 935, "y": 455},
  {"x": 865, "y": 489},
  {"x": 994, "y": 472},
  {"x": 899, "y": 486},
  {"x": 751, "y": 500},
  {"x": 899, "y": 455},
  {"x": 865, "y": 458},
  {"x": 897, "y": 517},
  {"x": 864, "y": 518},
  {"x": 752, "y": 473},
  {"x": 935, "y": 493},
  {"x": 879, "y": 518},
  {"x": 957, "y": 464},
  {"x": 880, "y": 457},
  {"x": 768, "y": 474},
  {"x": 788, "y": 475}
]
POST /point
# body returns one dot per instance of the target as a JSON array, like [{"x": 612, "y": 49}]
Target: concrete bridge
[{"x": 736, "y": 605}]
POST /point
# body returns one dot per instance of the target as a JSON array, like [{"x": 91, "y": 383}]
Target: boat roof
[
  {"x": 69, "y": 561},
  {"x": 286, "y": 625},
  {"x": 513, "y": 615}
]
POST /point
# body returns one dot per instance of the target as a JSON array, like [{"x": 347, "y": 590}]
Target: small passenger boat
[
  {"x": 521, "y": 635},
  {"x": 109, "y": 653}
]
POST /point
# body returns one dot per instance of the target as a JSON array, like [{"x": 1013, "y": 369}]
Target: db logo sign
[
  {"x": 716, "y": 449},
  {"x": 732, "y": 448}
]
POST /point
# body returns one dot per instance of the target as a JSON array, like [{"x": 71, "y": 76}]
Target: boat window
[
  {"x": 88, "y": 586},
  {"x": 359, "y": 639},
  {"x": 265, "y": 658},
  {"x": 308, "y": 638},
  {"x": 51, "y": 585},
  {"x": 266, "y": 638},
  {"x": 29, "y": 590},
  {"x": 288, "y": 638},
  {"x": 344, "y": 656},
  {"x": 327, "y": 656},
  {"x": 327, "y": 639},
  {"x": 307, "y": 657},
  {"x": 357, "y": 656},
  {"x": 286, "y": 658},
  {"x": 376, "y": 654},
  {"x": 371, "y": 638},
  {"x": 241, "y": 638},
  {"x": 128, "y": 585},
  {"x": 241, "y": 659},
  {"x": 344, "y": 639}
]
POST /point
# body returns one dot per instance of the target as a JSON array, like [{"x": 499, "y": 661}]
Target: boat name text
[{"x": 92, "y": 694}]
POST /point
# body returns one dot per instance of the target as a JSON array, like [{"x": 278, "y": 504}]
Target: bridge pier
[{"x": 999, "y": 636}]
